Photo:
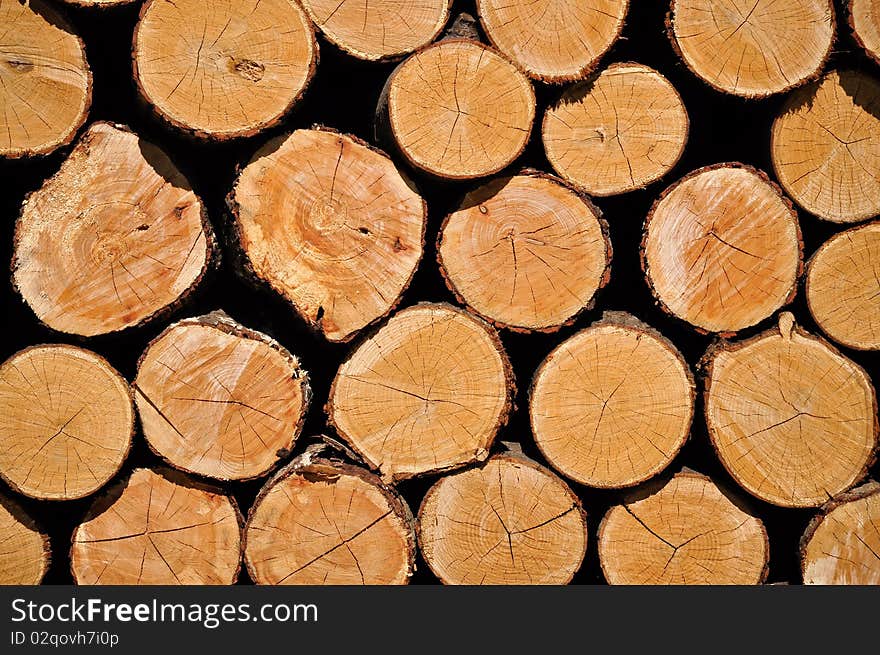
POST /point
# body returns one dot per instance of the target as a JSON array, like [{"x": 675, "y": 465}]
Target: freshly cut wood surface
[
  {"x": 842, "y": 544},
  {"x": 99, "y": 4},
  {"x": 24, "y": 549},
  {"x": 687, "y": 532},
  {"x": 381, "y": 29},
  {"x": 459, "y": 110},
  {"x": 843, "y": 287},
  {"x": 553, "y": 40},
  {"x": 332, "y": 225},
  {"x": 425, "y": 393},
  {"x": 112, "y": 239},
  {"x": 793, "y": 421},
  {"x": 221, "y": 69},
  {"x": 321, "y": 521},
  {"x": 825, "y": 146},
  {"x": 526, "y": 252},
  {"x": 220, "y": 400},
  {"x": 612, "y": 406},
  {"x": 864, "y": 20},
  {"x": 157, "y": 528},
  {"x": 66, "y": 421},
  {"x": 722, "y": 248},
  {"x": 507, "y": 521},
  {"x": 617, "y": 132},
  {"x": 45, "y": 81},
  {"x": 753, "y": 48}
]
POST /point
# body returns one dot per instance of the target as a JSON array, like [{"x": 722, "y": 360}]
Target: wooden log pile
[{"x": 470, "y": 292}]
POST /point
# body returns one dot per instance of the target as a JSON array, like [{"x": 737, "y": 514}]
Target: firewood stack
[{"x": 321, "y": 292}]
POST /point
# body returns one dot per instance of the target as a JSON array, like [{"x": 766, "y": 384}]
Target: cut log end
[
  {"x": 508, "y": 521},
  {"x": 793, "y": 421},
  {"x": 221, "y": 69},
  {"x": 688, "y": 532},
  {"x": 66, "y": 422},
  {"x": 618, "y": 132},
  {"x": 843, "y": 287},
  {"x": 458, "y": 110},
  {"x": 25, "y": 555},
  {"x": 156, "y": 528},
  {"x": 321, "y": 522},
  {"x": 525, "y": 252},
  {"x": 380, "y": 30},
  {"x": 722, "y": 248},
  {"x": 426, "y": 393},
  {"x": 825, "y": 144},
  {"x": 553, "y": 40},
  {"x": 45, "y": 81},
  {"x": 864, "y": 20},
  {"x": 332, "y": 225},
  {"x": 99, "y": 4},
  {"x": 114, "y": 238},
  {"x": 753, "y": 49},
  {"x": 220, "y": 400},
  {"x": 613, "y": 405},
  {"x": 842, "y": 544}
]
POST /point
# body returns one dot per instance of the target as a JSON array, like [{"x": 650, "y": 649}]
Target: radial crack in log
[{"x": 24, "y": 548}]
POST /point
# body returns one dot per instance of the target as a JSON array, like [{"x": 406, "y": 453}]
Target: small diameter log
[
  {"x": 45, "y": 81},
  {"x": 842, "y": 544},
  {"x": 425, "y": 393},
  {"x": 507, "y": 521},
  {"x": 722, "y": 248},
  {"x": 825, "y": 146},
  {"x": 332, "y": 225},
  {"x": 220, "y": 400},
  {"x": 553, "y": 40},
  {"x": 864, "y": 20},
  {"x": 526, "y": 252},
  {"x": 158, "y": 528},
  {"x": 114, "y": 238},
  {"x": 66, "y": 422},
  {"x": 321, "y": 521},
  {"x": 792, "y": 420},
  {"x": 688, "y": 532},
  {"x": 612, "y": 405},
  {"x": 617, "y": 132},
  {"x": 843, "y": 287},
  {"x": 24, "y": 548},
  {"x": 221, "y": 69},
  {"x": 380, "y": 30},
  {"x": 458, "y": 110},
  {"x": 753, "y": 49}
]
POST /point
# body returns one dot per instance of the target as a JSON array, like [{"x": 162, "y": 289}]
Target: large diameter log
[
  {"x": 619, "y": 131},
  {"x": 864, "y": 20},
  {"x": 687, "y": 532},
  {"x": 753, "y": 48},
  {"x": 114, "y": 238},
  {"x": 24, "y": 548},
  {"x": 321, "y": 521},
  {"x": 425, "y": 393},
  {"x": 825, "y": 146},
  {"x": 507, "y": 521},
  {"x": 792, "y": 420},
  {"x": 722, "y": 248},
  {"x": 221, "y": 69},
  {"x": 220, "y": 400},
  {"x": 458, "y": 110},
  {"x": 553, "y": 40},
  {"x": 66, "y": 422},
  {"x": 45, "y": 81},
  {"x": 612, "y": 406},
  {"x": 332, "y": 225},
  {"x": 842, "y": 544},
  {"x": 526, "y": 252},
  {"x": 380, "y": 30},
  {"x": 158, "y": 528},
  {"x": 843, "y": 287}
]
